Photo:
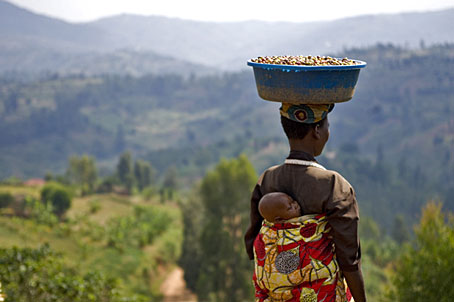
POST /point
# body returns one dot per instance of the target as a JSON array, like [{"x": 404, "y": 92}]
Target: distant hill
[
  {"x": 229, "y": 45},
  {"x": 31, "y": 42},
  {"x": 34, "y": 43},
  {"x": 120, "y": 62},
  {"x": 22, "y": 30}
]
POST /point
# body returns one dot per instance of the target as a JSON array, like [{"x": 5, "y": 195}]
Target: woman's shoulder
[
  {"x": 268, "y": 170},
  {"x": 328, "y": 174},
  {"x": 333, "y": 180}
]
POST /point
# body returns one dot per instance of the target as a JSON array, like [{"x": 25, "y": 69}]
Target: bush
[
  {"x": 6, "y": 199},
  {"x": 95, "y": 206},
  {"x": 106, "y": 185},
  {"x": 137, "y": 230},
  {"x": 39, "y": 275},
  {"x": 149, "y": 192},
  {"x": 41, "y": 212},
  {"x": 59, "y": 197},
  {"x": 424, "y": 271},
  {"x": 12, "y": 181}
]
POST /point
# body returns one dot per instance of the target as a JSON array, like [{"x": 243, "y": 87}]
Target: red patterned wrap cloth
[{"x": 295, "y": 261}]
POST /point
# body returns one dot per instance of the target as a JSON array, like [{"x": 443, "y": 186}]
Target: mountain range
[{"x": 136, "y": 45}]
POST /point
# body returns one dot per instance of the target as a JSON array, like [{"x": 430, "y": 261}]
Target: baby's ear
[{"x": 278, "y": 219}]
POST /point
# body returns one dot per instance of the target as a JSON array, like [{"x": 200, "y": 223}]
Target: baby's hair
[{"x": 268, "y": 202}]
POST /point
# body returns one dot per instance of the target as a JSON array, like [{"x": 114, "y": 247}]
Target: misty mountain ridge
[{"x": 33, "y": 42}]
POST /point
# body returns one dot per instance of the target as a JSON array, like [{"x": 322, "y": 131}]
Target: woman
[{"x": 318, "y": 191}]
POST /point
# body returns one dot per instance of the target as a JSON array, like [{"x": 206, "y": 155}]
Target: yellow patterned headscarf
[{"x": 305, "y": 113}]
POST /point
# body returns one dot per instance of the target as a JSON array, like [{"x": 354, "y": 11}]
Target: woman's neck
[{"x": 301, "y": 145}]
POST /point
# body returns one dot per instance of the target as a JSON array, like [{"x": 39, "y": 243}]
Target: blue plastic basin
[{"x": 306, "y": 84}]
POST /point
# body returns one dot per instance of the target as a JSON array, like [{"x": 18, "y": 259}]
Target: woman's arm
[
  {"x": 355, "y": 283},
  {"x": 255, "y": 222}
]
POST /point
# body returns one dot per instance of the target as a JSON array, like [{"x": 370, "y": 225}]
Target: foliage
[
  {"x": 149, "y": 245},
  {"x": 41, "y": 212},
  {"x": 170, "y": 178},
  {"x": 424, "y": 271},
  {"x": 82, "y": 172},
  {"x": 191, "y": 257},
  {"x": 169, "y": 184},
  {"x": 6, "y": 199},
  {"x": 137, "y": 230},
  {"x": 382, "y": 190},
  {"x": 144, "y": 174},
  {"x": 106, "y": 184},
  {"x": 39, "y": 275},
  {"x": 225, "y": 272},
  {"x": 95, "y": 206},
  {"x": 139, "y": 174},
  {"x": 149, "y": 192},
  {"x": 125, "y": 171},
  {"x": 13, "y": 181},
  {"x": 378, "y": 251},
  {"x": 58, "y": 196},
  {"x": 400, "y": 232}
]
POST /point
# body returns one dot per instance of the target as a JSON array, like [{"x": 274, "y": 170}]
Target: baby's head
[{"x": 278, "y": 206}]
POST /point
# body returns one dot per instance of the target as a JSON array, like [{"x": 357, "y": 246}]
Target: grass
[
  {"x": 110, "y": 205},
  {"x": 21, "y": 190}
]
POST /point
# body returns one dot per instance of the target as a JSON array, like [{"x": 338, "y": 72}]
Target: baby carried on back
[{"x": 294, "y": 255}]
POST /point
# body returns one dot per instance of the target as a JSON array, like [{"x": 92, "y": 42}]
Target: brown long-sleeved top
[{"x": 317, "y": 191}]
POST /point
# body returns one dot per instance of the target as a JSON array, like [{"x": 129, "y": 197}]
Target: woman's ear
[{"x": 316, "y": 131}]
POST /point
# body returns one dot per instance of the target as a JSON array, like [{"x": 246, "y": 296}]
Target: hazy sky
[{"x": 228, "y": 10}]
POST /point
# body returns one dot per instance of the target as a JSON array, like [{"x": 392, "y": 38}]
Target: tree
[
  {"x": 225, "y": 271},
  {"x": 170, "y": 178},
  {"x": 143, "y": 174},
  {"x": 58, "y": 196},
  {"x": 191, "y": 259},
  {"x": 424, "y": 272},
  {"x": 400, "y": 231},
  {"x": 125, "y": 171},
  {"x": 82, "y": 172},
  {"x": 170, "y": 181}
]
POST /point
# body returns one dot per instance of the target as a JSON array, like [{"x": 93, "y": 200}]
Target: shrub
[
  {"x": 95, "y": 206},
  {"x": 149, "y": 192},
  {"x": 39, "y": 275},
  {"x": 5, "y": 199},
  {"x": 137, "y": 230},
  {"x": 424, "y": 271},
  {"x": 41, "y": 212},
  {"x": 59, "y": 197}
]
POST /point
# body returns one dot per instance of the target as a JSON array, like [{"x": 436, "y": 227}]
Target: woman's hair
[{"x": 296, "y": 130}]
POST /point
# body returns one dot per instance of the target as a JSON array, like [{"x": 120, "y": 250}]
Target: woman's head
[
  {"x": 278, "y": 206},
  {"x": 297, "y": 130},
  {"x": 314, "y": 136},
  {"x": 306, "y": 125}
]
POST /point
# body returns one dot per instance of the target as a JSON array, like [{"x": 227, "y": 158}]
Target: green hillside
[
  {"x": 401, "y": 117},
  {"x": 102, "y": 233}
]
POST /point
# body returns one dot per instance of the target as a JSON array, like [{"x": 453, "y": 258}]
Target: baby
[
  {"x": 277, "y": 207},
  {"x": 295, "y": 261}
]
